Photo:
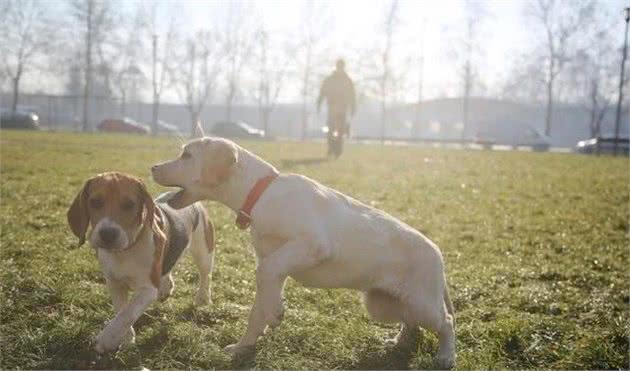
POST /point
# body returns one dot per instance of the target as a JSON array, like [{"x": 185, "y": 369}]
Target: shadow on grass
[
  {"x": 302, "y": 161},
  {"x": 394, "y": 358}
]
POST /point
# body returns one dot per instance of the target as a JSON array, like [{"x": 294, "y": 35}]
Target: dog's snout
[
  {"x": 154, "y": 167},
  {"x": 108, "y": 234}
]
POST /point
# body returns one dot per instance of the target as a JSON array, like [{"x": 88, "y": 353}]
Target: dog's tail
[{"x": 448, "y": 302}]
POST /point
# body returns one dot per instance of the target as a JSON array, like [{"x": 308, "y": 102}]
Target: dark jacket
[{"x": 338, "y": 90}]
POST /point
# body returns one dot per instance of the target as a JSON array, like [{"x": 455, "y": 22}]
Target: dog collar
[{"x": 243, "y": 218}]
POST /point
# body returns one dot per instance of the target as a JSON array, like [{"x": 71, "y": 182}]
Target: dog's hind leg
[
  {"x": 386, "y": 308},
  {"x": 430, "y": 312},
  {"x": 202, "y": 249}
]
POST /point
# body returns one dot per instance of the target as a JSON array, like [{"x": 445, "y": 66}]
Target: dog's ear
[
  {"x": 152, "y": 216},
  {"x": 78, "y": 215},
  {"x": 220, "y": 157}
]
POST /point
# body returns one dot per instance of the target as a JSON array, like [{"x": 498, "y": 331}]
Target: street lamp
[{"x": 621, "y": 82}]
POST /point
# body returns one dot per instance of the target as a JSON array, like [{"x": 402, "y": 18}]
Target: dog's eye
[
  {"x": 186, "y": 155},
  {"x": 96, "y": 203},
  {"x": 127, "y": 205}
]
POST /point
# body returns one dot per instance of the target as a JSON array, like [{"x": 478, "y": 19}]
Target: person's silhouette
[{"x": 338, "y": 90}]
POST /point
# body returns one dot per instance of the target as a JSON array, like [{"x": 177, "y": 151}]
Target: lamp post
[
  {"x": 621, "y": 82},
  {"x": 154, "y": 116}
]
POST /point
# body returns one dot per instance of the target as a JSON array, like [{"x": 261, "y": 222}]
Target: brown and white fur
[
  {"x": 321, "y": 238},
  {"x": 131, "y": 235}
]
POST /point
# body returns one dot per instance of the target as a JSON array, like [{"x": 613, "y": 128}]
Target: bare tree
[
  {"x": 127, "y": 51},
  {"x": 237, "y": 45},
  {"x": 472, "y": 48},
  {"x": 23, "y": 38},
  {"x": 199, "y": 67},
  {"x": 560, "y": 24},
  {"x": 420, "y": 66},
  {"x": 390, "y": 25},
  {"x": 314, "y": 21},
  {"x": 591, "y": 74},
  {"x": 94, "y": 21},
  {"x": 271, "y": 77},
  {"x": 622, "y": 80},
  {"x": 161, "y": 46}
]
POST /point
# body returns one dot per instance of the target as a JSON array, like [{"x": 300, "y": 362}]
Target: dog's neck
[{"x": 243, "y": 176}]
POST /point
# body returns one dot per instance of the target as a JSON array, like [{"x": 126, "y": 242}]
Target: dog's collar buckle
[{"x": 243, "y": 217}]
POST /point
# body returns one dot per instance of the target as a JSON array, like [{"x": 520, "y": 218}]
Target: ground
[{"x": 536, "y": 250}]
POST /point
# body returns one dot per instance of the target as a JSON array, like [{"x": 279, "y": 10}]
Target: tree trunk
[
  {"x": 156, "y": 95},
  {"x": 194, "y": 116},
  {"x": 16, "y": 89},
  {"x": 228, "y": 106},
  {"x": 305, "y": 89},
  {"x": 621, "y": 82},
  {"x": 123, "y": 104},
  {"x": 155, "y": 114},
  {"x": 467, "y": 85},
  {"x": 88, "y": 68},
  {"x": 549, "y": 109}
]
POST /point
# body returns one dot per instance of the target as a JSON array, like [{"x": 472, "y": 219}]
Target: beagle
[
  {"x": 320, "y": 237},
  {"x": 138, "y": 240}
]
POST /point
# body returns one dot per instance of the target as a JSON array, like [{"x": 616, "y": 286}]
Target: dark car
[
  {"x": 125, "y": 125},
  {"x": 606, "y": 145},
  {"x": 19, "y": 120},
  {"x": 239, "y": 129}
]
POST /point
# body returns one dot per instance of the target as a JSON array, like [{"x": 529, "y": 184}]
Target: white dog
[{"x": 321, "y": 238}]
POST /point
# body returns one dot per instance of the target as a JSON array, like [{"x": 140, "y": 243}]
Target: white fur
[
  {"x": 131, "y": 270},
  {"x": 121, "y": 242},
  {"x": 323, "y": 238}
]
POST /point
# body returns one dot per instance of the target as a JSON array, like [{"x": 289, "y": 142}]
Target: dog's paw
[
  {"x": 202, "y": 298},
  {"x": 239, "y": 350},
  {"x": 444, "y": 361},
  {"x": 104, "y": 343}
]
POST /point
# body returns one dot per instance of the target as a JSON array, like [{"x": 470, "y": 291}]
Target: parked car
[
  {"x": 166, "y": 128},
  {"x": 19, "y": 120},
  {"x": 238, "y": 129},
  {"x": 606, "y": 145},
  {"x": 536, "y": 139},
  {"x": 124, "y": 125}
]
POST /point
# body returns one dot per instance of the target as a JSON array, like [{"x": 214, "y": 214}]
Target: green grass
[{"x": 536, "y": 247}]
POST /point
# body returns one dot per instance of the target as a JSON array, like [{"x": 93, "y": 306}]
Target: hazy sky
[{"x": 353, "y": 25}]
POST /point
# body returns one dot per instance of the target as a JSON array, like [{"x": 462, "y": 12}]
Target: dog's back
[{"x": 181, "y": 223}]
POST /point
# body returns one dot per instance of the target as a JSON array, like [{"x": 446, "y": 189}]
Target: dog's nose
[
  {"x": 154, "y": 167},
  {"x": 108, "y": 235}
]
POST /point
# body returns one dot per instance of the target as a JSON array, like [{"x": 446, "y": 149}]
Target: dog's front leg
[
  {"x": 255, "y": 328},
  {"x": 119, "y": 292},
  {"x": 272, "y": 271},
  {"x": 113, "y": 334}
]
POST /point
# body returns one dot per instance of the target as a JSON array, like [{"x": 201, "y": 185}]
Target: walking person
[{"x": 338, "y": 90}]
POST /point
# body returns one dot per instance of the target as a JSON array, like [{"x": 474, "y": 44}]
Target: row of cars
[
  {"x": 30, "y": 121},
  {"x": 239, "y": 129},
  {"x": 228, "y": 129}
]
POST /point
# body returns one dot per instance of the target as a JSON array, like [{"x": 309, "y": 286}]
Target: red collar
[{"x": 243, "y": 218}]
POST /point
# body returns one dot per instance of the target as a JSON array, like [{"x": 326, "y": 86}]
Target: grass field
[{"x": 536, "y": 247}]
